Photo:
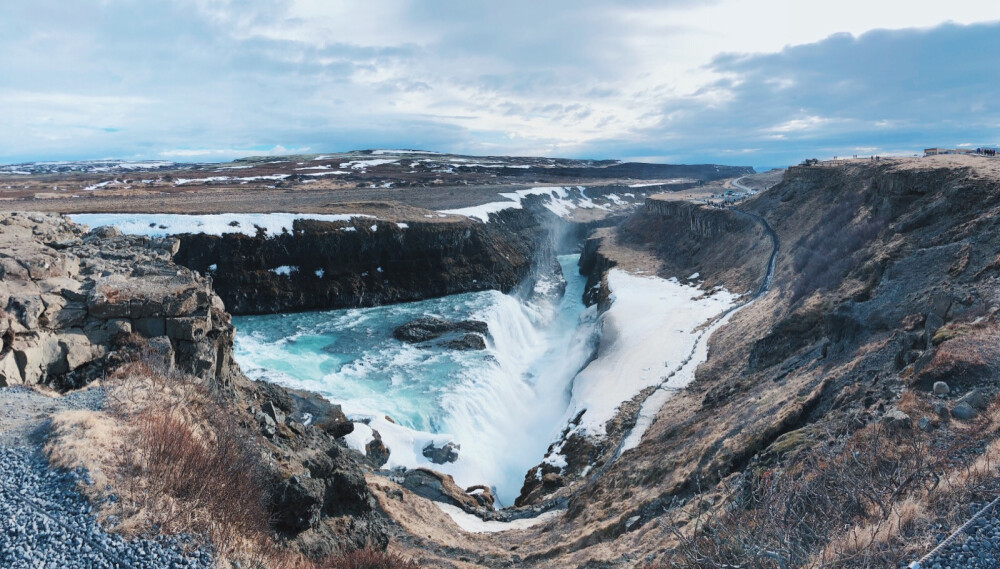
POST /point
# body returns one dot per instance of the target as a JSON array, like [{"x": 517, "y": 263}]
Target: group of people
[{"x": 992, "y": 152}]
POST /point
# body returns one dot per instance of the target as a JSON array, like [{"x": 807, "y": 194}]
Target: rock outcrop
[
  {"x": 324, "y": 265},
  {"x": 69, "y": 295},
  {"x": 78, "y": 304},
  {"x": 426, "y": 329}
]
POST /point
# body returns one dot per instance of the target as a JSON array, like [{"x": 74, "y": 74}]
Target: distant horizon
[
  {"x": 757, "y": 168},
  {"x": 181, "y": 160}
]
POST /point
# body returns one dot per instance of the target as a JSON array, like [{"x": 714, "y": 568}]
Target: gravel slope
[{"x": 44, "y": 522}]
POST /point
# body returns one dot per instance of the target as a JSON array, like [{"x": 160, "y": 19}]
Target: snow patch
[
  {"x": 475, "y": 524},
  {"x": 162, "y": 224},
  {"x": 359, "y": 437},
  {"x": 681, "y": 378},
  {"x": 561, "y": 201},
  {"x": 96, "y": 186},
  {"x": 649, "y": 332}
]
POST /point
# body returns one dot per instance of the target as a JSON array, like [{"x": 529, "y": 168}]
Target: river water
[{"x": 503, "y": 405}]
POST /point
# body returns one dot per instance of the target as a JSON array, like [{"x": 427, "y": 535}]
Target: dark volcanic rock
[
  {"x": 425, "y": 329},
  {"x": 298, "y": 503},
  {"x": 438, "y": 487},
  {"x": 376, "y": 451},
  {"x": 442, "y": 454},
  {"x": 334, "y": 268},
  {"x": 466, "y": 342}
]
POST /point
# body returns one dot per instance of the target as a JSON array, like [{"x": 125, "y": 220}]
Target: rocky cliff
[
  {"x": 885, "y": 283},
  {"x": 68, "y": 296},
  {"x": 84, "y": 306},
  {"x": 323, "y": 265}
]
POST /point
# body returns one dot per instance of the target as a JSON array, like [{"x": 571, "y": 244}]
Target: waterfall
[{"x": 504, "y": 405}]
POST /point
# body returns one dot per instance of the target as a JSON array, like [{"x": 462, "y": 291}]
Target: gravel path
[
  {"x": 44, "y": 522},
  {"x": 980, "y": 548}
]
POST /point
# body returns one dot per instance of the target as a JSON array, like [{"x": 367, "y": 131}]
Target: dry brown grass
[
  {"x": 177, "y": 458},
  {"x": 367, "y": 559},
  {"x": 868, "y": 497},
  {"x": 174, "y": 456}
]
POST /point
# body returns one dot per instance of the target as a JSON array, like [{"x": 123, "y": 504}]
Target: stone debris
[{"x": 45, "y": 523}]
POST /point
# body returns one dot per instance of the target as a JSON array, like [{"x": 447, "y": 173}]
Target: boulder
[
  {"x": 925, "y": 424},
  {"x": 963, "y": 411},
  {"x": 443, "y": 454},
  {"x": 267, "y": 425},
  {"x": 298, "y": 503},
  {"x": 975, "y": 398},
  {"x": 104, "y": 232},
  {"x": 425, "y": 329},
  {"x": 273, "y": 412},
  {"x": 376, "y": 451},
  {"x": 334, "y": 422},
  {"x": 482, "y": 494},
  {"x": 466, "y": 342},
  {"x": 896, "y": 419},
  {"x": 437, "y": 487}
]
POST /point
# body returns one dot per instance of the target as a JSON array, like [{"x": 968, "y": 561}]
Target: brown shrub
[
  {"x": 208, "y": 485},
  {"x": 855, "y": 502},
  {"x": 368, "y": 559}
]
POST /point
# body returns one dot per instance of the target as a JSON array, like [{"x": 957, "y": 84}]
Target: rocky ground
[{"x": 44, "y": 521}]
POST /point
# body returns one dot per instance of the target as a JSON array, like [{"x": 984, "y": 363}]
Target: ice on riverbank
[{"x": 649, "y": 333}]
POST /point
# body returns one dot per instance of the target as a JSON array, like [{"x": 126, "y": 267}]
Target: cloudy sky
[{"x": 762, "y": 83}]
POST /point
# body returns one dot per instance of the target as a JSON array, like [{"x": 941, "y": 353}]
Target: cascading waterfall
[{"x": 503, "y": 405}]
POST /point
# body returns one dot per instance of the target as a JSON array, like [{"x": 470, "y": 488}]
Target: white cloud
[
  {"x": 210, "y": 78},
  {"x": 223, "y": 153}
]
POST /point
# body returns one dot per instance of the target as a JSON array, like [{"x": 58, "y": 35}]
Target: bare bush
[
  {"x": 368, "y": 559},
  {"x": 856, "y": 503}
]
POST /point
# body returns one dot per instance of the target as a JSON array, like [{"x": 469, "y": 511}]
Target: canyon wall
[{"x": 324, "y": 265}]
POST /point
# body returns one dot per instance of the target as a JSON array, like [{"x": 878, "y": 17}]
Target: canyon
[{"x": 833, "y": 300}]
